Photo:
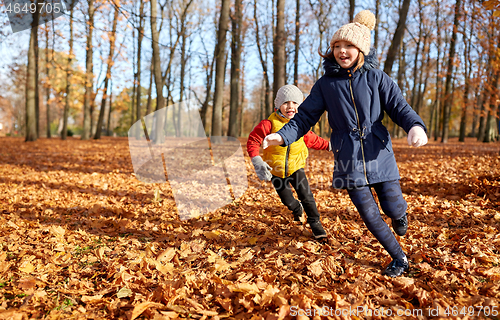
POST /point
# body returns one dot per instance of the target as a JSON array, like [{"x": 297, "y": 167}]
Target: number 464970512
[{"x": 32, "y": 8}]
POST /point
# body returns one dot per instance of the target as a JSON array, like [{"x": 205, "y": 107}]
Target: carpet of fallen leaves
[{"x": 81, "y": 237}]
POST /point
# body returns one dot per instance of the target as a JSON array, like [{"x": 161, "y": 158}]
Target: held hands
[
  {"x": 273, "y": 139},
  {"x": 417, "y": 136},
  {"x": 262, "y": 169}
]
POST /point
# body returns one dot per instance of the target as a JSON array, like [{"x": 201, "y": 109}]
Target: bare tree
[
  {"x": 468, "y": 73},
  {"x": 183, "y": 33},
  {"x": 220, "y": 67},
  {"x": 112, "y": 39},
  {"x": 47, "y": 88},
  {"x": 279, "y": 58},
  {"x": 297, "y": 44},
  {"x": 160, "y": 100},
  {"x": 209, "y": 71},
  {"x": 32, "y": 84},
  {"x": 140, "y": 36},
  {"x": 266, "y": 106},
  {"x": 89, "y": 91},
  {"x": 436, "y": 106},
  {"x": 398, "y": 35},
  {"x": 418, "y": 40},
  {"x": 236, "y": 49},
  {"x": 448, "y": 94},
  {"x": 64, "y": 132}
]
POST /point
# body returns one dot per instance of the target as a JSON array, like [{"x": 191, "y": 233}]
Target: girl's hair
[{"x": 329, "y": 55}]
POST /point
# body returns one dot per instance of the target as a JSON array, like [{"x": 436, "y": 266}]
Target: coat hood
[{"x": 332, "y": 68}]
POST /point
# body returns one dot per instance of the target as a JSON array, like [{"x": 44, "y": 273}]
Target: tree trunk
[
  {"x": 297, "y": 45},
  {"x": 416, "y": 84},
  {"x": 490, "y": 131},
  {"x": 426, "y": 67},
  {"x": 377, "y": 14},
  {"x": 267, "y": 106},
  {"x": 160, "y": 101},
  {"x": 400, "y": 79},
  {"x": 352, "y": 6},
  {"x": 482, "y": 111},
  {"x": 448, "y": 94},
  {"x": 64, "y": 132},
  {"x": 208, "y": 89},
  {"x": 89, "y": 78},
  {"x": 220, "y": 67},
  {"x": 108, "y": 75},
  {"x": 32, "y": 84},
  {"x": 47, "y": 89},
  {"x": 140, "y": 36},
  {"x": 491, "y": 123},
  {"x": 240, "y": 112},
  {"x": 236, "y": 50},
  {"x": 178, "y": 122},
  {"x": 108, "y": 126},
  {"x": 468, "y": 73},
  {"x": 134, "y": 83},
  {"x": 150, "y": 89},
  {"x": 184, "y": 58},
  {"x": 396, "y": 40},
  {"x": 476, "y": 108},
  {"x": 279, "y": 48},
  {"x": 437, "y": 100},
  {"x": 37, "y": 88}
]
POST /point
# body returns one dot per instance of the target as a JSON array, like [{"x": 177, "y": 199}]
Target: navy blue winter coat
[{"x": 355, "y": 103}]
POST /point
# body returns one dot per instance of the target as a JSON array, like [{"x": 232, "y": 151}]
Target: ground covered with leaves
[{"x": 81, "y": 237}]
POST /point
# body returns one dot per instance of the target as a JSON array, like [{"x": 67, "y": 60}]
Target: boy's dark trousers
[{"x": 298, "y": 181}]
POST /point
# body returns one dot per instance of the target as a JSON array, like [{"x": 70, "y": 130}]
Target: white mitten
[
  {"x": 273, "y": 139},
  {"x": 417, "y": 136}
]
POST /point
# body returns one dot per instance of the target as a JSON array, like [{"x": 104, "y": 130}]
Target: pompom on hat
[
  {"x": 287, "y": 93},
  {"x": 357, "y": 32}
]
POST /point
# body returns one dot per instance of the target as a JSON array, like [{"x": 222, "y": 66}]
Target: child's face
[
  {"x": 345, "y": 53},
  {"x": 289, "y": 109}
]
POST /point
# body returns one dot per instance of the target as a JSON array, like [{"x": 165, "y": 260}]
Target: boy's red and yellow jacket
[{"x": 284, "y": 161}]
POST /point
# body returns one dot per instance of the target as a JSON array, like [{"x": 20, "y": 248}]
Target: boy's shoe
[
  {"x": 396, "y": 268},
  {"x": 400, "y": 225},
  {"x": 297, "y": 216},
  {"x": 317, "y": 230}
]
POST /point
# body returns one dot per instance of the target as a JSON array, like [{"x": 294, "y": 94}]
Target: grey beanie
[{"x": 287, "y": 93}]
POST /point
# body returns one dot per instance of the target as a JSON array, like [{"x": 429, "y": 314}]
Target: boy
[{"x": 284, "y": 166}]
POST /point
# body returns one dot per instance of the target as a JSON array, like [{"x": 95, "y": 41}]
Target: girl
[
  {"x": 356, "y": 94},
  {"x": 284, "y": 166}
]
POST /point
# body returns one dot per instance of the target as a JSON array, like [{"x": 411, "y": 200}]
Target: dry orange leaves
[{"x": 81, "y": 237}]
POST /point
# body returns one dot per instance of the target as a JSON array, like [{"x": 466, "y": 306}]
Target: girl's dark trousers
[{"x": 394, "y": 206}]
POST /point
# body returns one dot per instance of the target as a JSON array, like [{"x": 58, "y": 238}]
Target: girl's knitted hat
[
  {"x": 357, "y": 32},
  {"x": 287, "y": 93}
]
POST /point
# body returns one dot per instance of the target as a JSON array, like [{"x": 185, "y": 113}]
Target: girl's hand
[
  {"x": 417, "y": 136},
  {"x": 273, "y": 139}
]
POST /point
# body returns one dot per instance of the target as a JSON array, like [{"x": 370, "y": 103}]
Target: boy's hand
[
  {"x": 273, "y": 139},
  {"x": 262, "y": 168},
  {"x": 417, "y": 136}
]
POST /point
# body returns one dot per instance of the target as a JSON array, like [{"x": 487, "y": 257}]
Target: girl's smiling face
[
  {"x": 289, "y": 109},
  {"x": 345, "y": 53}
]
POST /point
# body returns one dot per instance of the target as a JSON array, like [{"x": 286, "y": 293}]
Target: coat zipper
[
  {"x": 286, "y": 160},
  {"x": 359, "y": 128}
]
